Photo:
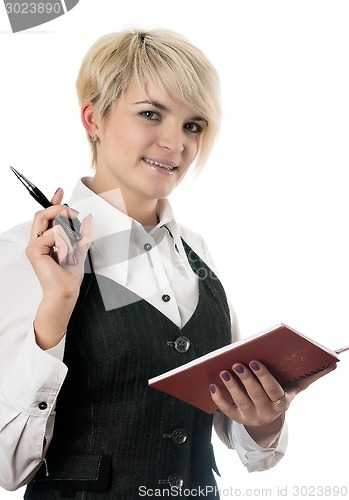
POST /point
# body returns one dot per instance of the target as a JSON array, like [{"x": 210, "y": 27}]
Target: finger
[
  {"x": 253, "y": 405},
  {"x": 53, "y": 238},
  {"x": 273, "y": 390},
  {"x": 57, "y": 197},
  {"x": 43, "y": 218},
  {"x": 62, "y": 244},
  {"x": 68, "y": 252},
  {"x": 81, "y": 248},
  {"x": 86, "y": 231},
  {"x": 256, "y": 396},
  {"x": 223, "y": 400},
  {"x": 244, "y": 389},
  {"x": 232, "y": 398}
]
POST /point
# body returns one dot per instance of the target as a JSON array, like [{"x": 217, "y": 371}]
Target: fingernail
[
  {"x": 57, "y": 190},
  {"x": 255, "y": 366},
  {"x": 239, "y": 369},
  {"x": 226, "y": 376},
  {"x": 212, "y": 389},
  {"x": 75, "y": 260},
  {"x": 73, "y": 210}
]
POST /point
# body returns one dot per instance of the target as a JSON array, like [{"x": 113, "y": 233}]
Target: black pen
[{"x": 70, "y": 226}]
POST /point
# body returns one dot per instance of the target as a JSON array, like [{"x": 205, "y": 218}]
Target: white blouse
[{"x": 150, "y": 263}]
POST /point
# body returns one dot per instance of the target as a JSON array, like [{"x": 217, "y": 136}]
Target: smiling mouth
[{"x": 158, "y": 164}]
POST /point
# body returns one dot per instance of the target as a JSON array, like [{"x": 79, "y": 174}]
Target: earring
[{"x": 94, "y": 139}]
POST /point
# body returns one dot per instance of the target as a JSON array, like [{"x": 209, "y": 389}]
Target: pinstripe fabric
[{"x": 106, "y": 408}]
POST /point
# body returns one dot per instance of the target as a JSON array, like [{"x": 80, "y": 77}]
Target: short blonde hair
[{"x": 159, "y": 56}]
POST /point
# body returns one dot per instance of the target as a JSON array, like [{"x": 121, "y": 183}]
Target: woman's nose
[{"x": 171, "y": 137}]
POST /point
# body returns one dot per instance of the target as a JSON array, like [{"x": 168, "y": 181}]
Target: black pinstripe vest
[{"x": 115, "y": 437}]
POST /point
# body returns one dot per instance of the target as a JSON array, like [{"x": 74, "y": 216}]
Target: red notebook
[{"x": 289, "y": 355}]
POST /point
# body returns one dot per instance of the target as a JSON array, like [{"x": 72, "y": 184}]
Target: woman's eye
[
  {"x": 150, "y": 115},
  {"x": 193, "y": 127}
]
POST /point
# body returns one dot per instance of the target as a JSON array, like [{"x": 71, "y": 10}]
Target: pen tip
[{"x": 15, "y": 171}]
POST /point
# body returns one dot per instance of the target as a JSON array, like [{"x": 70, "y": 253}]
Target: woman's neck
[{"x": 142, "y": 210}]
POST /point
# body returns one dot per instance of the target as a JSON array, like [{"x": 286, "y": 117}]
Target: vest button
[
  {"x": 147, "y": 247},
  {"x": 175, "y": 481},
  {"x": 182, "y": 344},
  {"x": 179, "y": 436},
  {"x": 166, "y": 298},
  {"x": 42, "y": 405}
]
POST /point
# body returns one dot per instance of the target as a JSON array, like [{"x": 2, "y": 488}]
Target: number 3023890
[
  {"x": 319, "y": 491},
  {"x": 33, "y": 8}
]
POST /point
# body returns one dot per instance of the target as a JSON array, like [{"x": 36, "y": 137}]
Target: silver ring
[
  {"x": 40, "y": 234},
  {"x": 280, "y": 401}
]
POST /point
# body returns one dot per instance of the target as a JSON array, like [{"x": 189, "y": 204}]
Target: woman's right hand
[{"x": 59, "y": 267}]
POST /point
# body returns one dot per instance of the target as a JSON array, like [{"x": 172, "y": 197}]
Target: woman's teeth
[{"x": 158, "y": 164}]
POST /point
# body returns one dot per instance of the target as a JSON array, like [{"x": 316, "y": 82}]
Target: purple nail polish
[
  {"x": 239, "y": 369},
  {"x": 226, "y": 376},
  {"x": 212, "y": 389},
  {"x": 255, "y": 366}
]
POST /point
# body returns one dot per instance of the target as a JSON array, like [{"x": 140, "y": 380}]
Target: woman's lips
[{"x": 167, "y": 167}]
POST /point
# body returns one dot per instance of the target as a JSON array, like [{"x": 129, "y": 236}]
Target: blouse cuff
[
  {"x": 253, "y": 456},
  {"x": 34, "y": 378}
]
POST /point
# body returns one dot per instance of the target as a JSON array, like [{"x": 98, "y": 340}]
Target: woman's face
[{"x": 147, "y": 142}]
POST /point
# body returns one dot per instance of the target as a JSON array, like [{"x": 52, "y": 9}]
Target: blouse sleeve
[{"x": 30, "y": 378}]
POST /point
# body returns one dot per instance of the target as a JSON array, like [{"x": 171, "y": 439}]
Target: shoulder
[
  {"x": 194, "y": 239},
  {"x": 12, "y": 246},
  {"x": 18, "y": 234},
  {"x": 197, "y": 242},
  {"x": 18, "y": 281}
]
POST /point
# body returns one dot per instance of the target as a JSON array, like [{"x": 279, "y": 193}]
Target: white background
[{"x": 272, "y": 201}]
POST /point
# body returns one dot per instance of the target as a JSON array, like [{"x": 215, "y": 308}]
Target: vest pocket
[{"x": 71, "y": 473}]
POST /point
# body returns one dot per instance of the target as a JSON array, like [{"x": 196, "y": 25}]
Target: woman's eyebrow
[
  {"x": 199, "y": 119},
  {"x": 157, "y": 105}
]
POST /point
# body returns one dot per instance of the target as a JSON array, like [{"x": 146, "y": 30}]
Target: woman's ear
[{"x": 88, "y": 119}]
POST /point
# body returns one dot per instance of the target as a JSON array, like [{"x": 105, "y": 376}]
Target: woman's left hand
[{"x": 255, "y": 398}]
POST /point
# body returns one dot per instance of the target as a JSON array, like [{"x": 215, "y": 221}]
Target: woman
[{"x": 77, "y": 417}]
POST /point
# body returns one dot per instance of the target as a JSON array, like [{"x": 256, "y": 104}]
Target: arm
[
  {"x": 31, "y": 368},
  {"x": 253, "y": 456},
  {"x": 249, "y": 420},
  {"x": 28, "y": 375},
  {"x": 259, "y": 447},
  {"x": 249, "y": 404}
]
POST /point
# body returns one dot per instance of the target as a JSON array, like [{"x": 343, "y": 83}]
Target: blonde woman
[{"x": 77, "y": 418}]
